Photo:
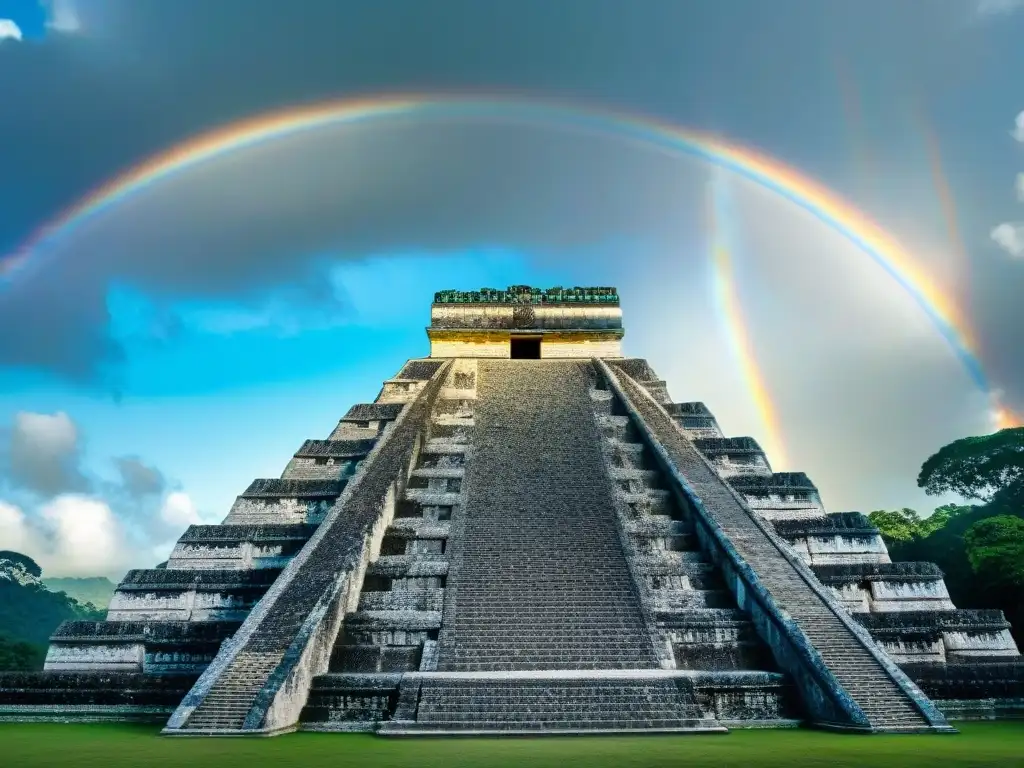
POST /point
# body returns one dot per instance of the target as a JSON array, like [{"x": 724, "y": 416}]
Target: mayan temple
[{"x": 524, "y": 534}]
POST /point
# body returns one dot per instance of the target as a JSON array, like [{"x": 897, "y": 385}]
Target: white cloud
[
  {"x": 1018, "y": 127},
  {"x": 62, "y": 16},
  {"x": 1010, "y": 237},
  {"x": 9, "y": 30},
  {"x": 997, "y": 7},
  {"x": 179, "y": 511},
  {"x": 15, "y": 533},
  {"x": 87, "y": 539},
  {"x": 54, "y": 434},
  {"x": 69, "y": 536}
]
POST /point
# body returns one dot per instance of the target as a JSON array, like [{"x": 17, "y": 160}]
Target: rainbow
[
  {"x": 770, "y": 174},
  {"x": 728, "y": 306}
]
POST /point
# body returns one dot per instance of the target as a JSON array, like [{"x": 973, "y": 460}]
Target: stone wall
[
  {"x": 569, "y": 349},
  {"x": 826, "y": 549},
  {"x": 242, "y": 547},
  {"x": 959, "y": 636},
  {"x": 90, "y": 696},
  {"x": 247, "y": 511},
  {"x": 557, "y": 317}
]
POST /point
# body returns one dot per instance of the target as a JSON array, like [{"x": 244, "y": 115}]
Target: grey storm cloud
[
  {"x": 272, "y": 220},
  {"x": 43, "y": 454},
  {"x": 149, "y": 74},
  {"x": 139, "y": 479}
]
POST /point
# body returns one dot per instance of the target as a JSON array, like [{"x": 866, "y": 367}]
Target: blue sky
[{"x": 191, "y": 337}]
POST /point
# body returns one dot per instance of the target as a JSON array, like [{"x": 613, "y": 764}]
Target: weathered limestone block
[
  {"x": 909, "y": 595},
  {"x": 109, "y": 657},
  {"x": 973, "y": 690},
  {"x": 713, "y": 639},
  {"x": 328, "y": 459},
  {"x": 242, "y": 547},
  {"x": 320, "y": 468},
  {"x": 270, "y": 501},
  {"x": 180, "y": 606},
  {"x": 419, "y": 369},
  {"x": 840, "y": 549},
  {"x": 834, "y": 539},
  {"x": 541, "y": 317},
  {"x": 350, "y": 702},
  {"x": 402, "y": 600},
  {"x": 880, "y": 587},
  {"x": 188, "y": 595},
  {"x": 400, "y": 390},
  {"x": 733, "y": 456},
  {"x": 366, "y": 420},
  {"x": 247, "y": 511},
  {"x": 696, "y": 420},
  {"x": 392, "y": 627},
  {"x": 747, "y": 699},
  {"x": 949, "y": 635},
  {"x": 976, "y": 644},
  {"x": 453, "y": 409},
  {"x": 633, "y": 480},
  {"x": 136, "y": 646},
  {"x": 432, "y": 497},
  {"x": 555, "y": 349},
  {"x": 443, "y": 459},
  {"x": 90, "y": 696},
  {"x": 780, "y": 496},
  {"x": 414, "y": 528},
  {"x": 449, "y": 434},
  {"x": 241, "y": 556},
  {"x": 409, "y": 566}
]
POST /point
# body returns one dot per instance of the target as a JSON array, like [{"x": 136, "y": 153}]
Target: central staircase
[{"x": 540, "y": 598}]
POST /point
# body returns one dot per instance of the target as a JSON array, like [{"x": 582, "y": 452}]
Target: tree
[
  {"x": 978, "y": 467},
  {"x": 897, "y": 524},
  {"x": 942, "y": 516},
  {"x": 19, "y": 656},
  {"x": 904, "y": 525},
  {"x": 995, "y": 547}
]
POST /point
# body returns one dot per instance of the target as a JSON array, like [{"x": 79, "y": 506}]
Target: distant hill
[
  {"x": 29, "y": 612},
  {"x": 96, "y": 590}
]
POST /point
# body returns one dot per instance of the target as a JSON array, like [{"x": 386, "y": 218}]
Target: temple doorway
[{"x": 525, "y": 348}]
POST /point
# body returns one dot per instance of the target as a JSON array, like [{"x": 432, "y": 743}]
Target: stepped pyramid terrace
[{"x": 524, "y": 534}]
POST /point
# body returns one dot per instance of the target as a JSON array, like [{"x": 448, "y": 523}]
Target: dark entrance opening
[{"x": 525, "y": 349}]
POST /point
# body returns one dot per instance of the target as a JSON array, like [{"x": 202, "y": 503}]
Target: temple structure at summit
[{"x": 523, "y": 533}]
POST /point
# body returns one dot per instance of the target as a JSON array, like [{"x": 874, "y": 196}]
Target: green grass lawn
[{"x": 135, "y": 746}]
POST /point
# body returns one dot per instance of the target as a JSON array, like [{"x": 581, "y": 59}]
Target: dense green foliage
[
  {"x": 980, "y": 548},
  {"x": 29, "y": 613},
  {"x": 113, "y": 746},
  {"x": 995, "y": 546},
  {"x": 96, "y": 590},
  {"x": 17, "y": 655},
  {"x": 978, "y": 467},
  {"x": 31, "y": 566},
  {"x": 906, "y": 524}
]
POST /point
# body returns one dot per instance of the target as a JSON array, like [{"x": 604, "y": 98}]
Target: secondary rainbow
[
  {"x": 784, "y": 181},
  {"x": 728, "y": 306}
]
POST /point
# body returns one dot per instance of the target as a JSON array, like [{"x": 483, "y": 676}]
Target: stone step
[
  {"x": 557, "y": 705},
  {"x": 843, "y": 652},
  {"x": 228, "y": 702}
]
